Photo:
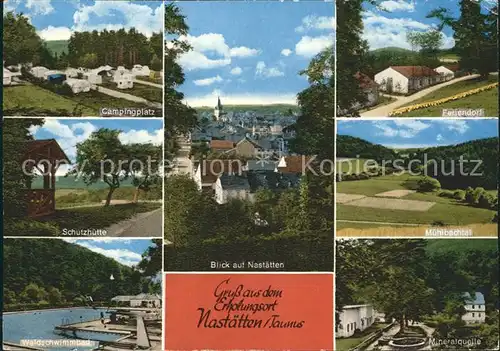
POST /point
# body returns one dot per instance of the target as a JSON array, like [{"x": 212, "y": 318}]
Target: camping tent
[
  {"x": 125, "y": 82},
  {"x": 93, "y": 78},
  {"x": 102, "y": 70},
  {"x": 39, "y": 71},
  {"x": 139, "y": 70},
  {"x": 71, "y": 72},
  {"x": 7, "y": 77},
  {"x": 119, "y": 75},
  {"x": 78, "y": 85}
]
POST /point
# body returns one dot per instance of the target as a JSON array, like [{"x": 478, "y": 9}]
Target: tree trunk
[
  {"x": 401, "y": 324},
  {"x": 136, "y": 195},
  {"x": 110, "y": 194}
]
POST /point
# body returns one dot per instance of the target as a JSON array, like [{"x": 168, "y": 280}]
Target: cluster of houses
[
  {"x": 82, "y": 79},
  {"x": 361, "y": 317},
  {"x": 402, "y": 80}
]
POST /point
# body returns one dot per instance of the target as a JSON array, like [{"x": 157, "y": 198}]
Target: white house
[
  {"x": 475, "y": 309},
  {"x": 354, "y": 317},
  {"x": 231, "y": 187},
  {"x": 406, "y": 79},
  {"x": 447, "y": 72},
  {"x": 208, "y": 172}
]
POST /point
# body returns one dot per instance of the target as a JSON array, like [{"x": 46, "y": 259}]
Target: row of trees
[
  {"x": 33, "y": 273},
  {"x": 22, "y": 44},
  {"x": 421, "y": 280}
]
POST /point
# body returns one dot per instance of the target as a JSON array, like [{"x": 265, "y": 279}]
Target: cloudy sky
[
  {"x": 408, "y": 133},
  {"x": 69, "y": 132},
  {"x": 251, "y": 52},
  {"x": 387, "y": 24},
  {"x": 126, "y": 251},
  {"x": 57, "y": 19}
]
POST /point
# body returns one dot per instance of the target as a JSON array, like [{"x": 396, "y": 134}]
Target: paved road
[
  {"x": 129, "y": 97},
  {"x": 383, "y": 111},
  {"x": 147, "y": 224},
  {"x": 138, "y": 81},
  {"x": 182, "y": 163}
]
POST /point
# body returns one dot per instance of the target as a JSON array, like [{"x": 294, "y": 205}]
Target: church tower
[{"x": 218, "y": 109}]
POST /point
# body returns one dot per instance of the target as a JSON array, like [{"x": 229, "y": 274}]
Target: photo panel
[
  {"x": 83, "y": 177},
  {"x": 417, "y": 178},
  {"x": 106, "y": 296},
  {"x": 417, "y": 58},
  {"x": 87, "y": 58},
  {"x": 249, "y": 136},
  {"x": 422, "y": 294}
]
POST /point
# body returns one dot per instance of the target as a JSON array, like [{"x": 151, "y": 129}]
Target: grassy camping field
[
  {"x": 147, "y": 92},
  {"x": 32, "y": 100},
  {"x": 446, "y": 211},
  {"x": 486, "y": 99}
]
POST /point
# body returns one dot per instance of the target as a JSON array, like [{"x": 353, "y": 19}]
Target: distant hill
[
  {"x": 391, "y": 49},
  {"x": 73, "y": 183},
  {"x": 57, "y": 46},
  {"x": 264, "y": 109},
  {"x": 349, "y": 146}
]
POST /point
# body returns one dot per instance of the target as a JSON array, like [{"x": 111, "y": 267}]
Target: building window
[
  {"x": 472, "y": 314},
  {"x": 479, "y": 315}
]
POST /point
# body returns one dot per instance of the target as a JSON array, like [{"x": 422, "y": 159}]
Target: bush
[
  {"x": 486, "y": 201},
  {"x": 29, "y": 227},
  {"x": 428, "y": 184},
  {"x": 469, "y": 195},
  {"x": 495, "y": 218},
  {"x": 446, "y": 193},
  {"x": 363, "y": 176},
  {"x": 459, "y": 195},
  {"x": 476, "y": 194}
]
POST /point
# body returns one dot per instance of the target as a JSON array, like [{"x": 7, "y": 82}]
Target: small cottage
[{"x": 406, "y": 79}]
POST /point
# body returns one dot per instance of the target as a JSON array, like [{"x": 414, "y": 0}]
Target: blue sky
[
  {"x": 408, "y": 133},
  {"x": 69, "y": 132},
  {"x": 388, "y": 28},
  {"x": 57, "y": 19},
  {"x": 251, "y": 52},
  {"x": 126, "y": 251}
]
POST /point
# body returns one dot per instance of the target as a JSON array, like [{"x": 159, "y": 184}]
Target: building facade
[{"x": 354, "y": 317}]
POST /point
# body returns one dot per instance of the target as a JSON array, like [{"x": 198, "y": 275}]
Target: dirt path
[
  {"x": 129, "y": 97},
  {"x": 381, "y": 223},
  {"x": 138, "y": 81},
  {"x": 146, "y": 224},
  {"x": 383, "y": 111},
  {"x": 391, "y": 332}
]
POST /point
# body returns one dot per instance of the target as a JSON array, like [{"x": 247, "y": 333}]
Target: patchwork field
[{"x": 358, "y": 208}]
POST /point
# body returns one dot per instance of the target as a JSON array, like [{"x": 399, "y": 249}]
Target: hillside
[
  {"x": 348, "y": 146},
  {"x": 57, "y": 46},
  {"x": 391, "y": 50},
  {"x": 70, "y": 268},
  {"x": 263, "y": 109}
]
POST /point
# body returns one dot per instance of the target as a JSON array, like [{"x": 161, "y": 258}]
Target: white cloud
[
  {"x": 55, "y": 33},
  {"x": 142, "y": 136},
  {"x": 286, "y": 52},
  {"x": 439, "y": 137},
  {"x": 381, "y": 31},
  {"x": 243, "y": 51},
  {"x": 40, "y": 7},
  {"x": 403, "y": 128},
  {"x": 236, "y": 71},
  {"x": 310, "y": 46},
  {"x": 208, "y": 81},
  {"x": 242, "y": 99},
  {"x": 143, "y": 18},
  {"x": 123, "y": 256},
  {"x": 313, "y": 22},
  {"x": 455, "y": 125},
  {"x": 262, "y": 70},
  {"x": 398, "y": 5},
  {"x": 210, "y": 50}
]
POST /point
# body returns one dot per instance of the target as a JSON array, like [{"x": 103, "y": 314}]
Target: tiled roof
[
  {"x": 453, "y": 68},
  {"x": 212, "y": 169},
  {"x": 39, "y": 145},
  {"x": 221, "y": 144},
  {"x": 295, "y": 164},
  {"x": 414, "y": 71},
  {"x": 365, "y": 82}
]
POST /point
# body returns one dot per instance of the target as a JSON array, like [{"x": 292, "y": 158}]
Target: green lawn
[
  {"x": 446, "y": 210},
  {"x": 486, "y": 99},
  {"x": 31, "y": 100},
  {"x": 147, "y": 92},
  {"x": 149, "y": 79},
  {"x": 96, "y": 217},
  {"x": 345, "y": 344}
]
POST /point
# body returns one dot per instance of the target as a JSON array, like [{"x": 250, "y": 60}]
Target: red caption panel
[{"x": 274, "y": 312}]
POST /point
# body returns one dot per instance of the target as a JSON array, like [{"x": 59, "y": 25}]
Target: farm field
[
  {"x": 443, "y": 212},
  {"x": 353, "y": 165},
  {"x": 486, "y": 99}
]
